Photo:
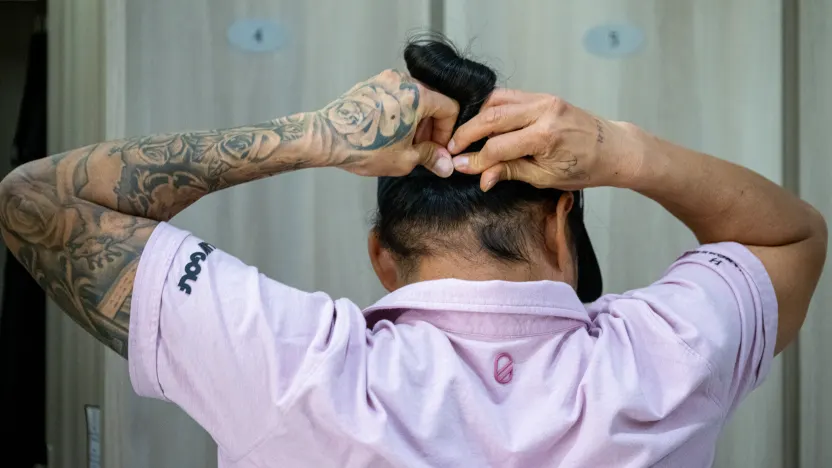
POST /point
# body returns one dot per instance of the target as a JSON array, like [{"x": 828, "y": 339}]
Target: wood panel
[
  {"x": 74, "y": 359},
  {"x": 708, "y": 77},
  {"x": 307, "y": 229},
  {"x": 815, "y": 141}
]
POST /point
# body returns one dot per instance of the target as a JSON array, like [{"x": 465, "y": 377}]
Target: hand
[
  {"x": 389, "y": 124},
  {"x": 542, "y": 140}
]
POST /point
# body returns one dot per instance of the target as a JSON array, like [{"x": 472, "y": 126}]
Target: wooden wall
[{"x": 815, "y": 170}]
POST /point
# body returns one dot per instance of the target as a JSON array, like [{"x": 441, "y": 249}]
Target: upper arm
[
  {"x": 83, "y": 255},
  {"x": 718, "y": 303},
  {"x": 230, "y": 346},
  {"x": 794, "y": 271}
]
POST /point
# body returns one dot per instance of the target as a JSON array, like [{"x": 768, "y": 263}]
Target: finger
[
  {"x": 505, "y": 147},
  {"x": 433, "y": 156},
  {"x": 424, "y": 131},
  {"x": 523, "y": 170},
  {"x": 501, "y": 96},
  {"x": 491, "y": 121},
  {"x": 444, "y": 111}
]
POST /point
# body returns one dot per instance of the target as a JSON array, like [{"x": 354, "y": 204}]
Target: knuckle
[
  {"x": 551, "y": 101},
  {"x": 508, "y": 172},
  {"x": 390, "y": 74},
  {"x": 474, "y": 161},
  {"x": 555, "y": 105},
  {"x": 549, "y": 132},
  {"x": 489, "y": 150},
  {"x": 494, "y": 116}
]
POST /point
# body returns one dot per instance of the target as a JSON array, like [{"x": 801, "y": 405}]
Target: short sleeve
[
  {"x": 225, "y": 343},
  {"x": 719, "y": 302}
]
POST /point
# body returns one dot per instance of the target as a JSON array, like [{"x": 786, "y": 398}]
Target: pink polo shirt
[{"x": 451, "y": 373}]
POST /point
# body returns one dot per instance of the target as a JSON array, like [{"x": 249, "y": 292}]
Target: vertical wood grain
[
  {"x": 116, "y": 381},
  {"x": 75, "y": 118},
  {"x": 815, "y": 172},
  {"x": 790, "y": 97},
  {"x": 708, "y": 77}
]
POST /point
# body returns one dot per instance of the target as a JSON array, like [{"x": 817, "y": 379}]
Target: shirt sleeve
[
  {"x": 718, "y": 301},
  {"x": 228, "y": 345}
]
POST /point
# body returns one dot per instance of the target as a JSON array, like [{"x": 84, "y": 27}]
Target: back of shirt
[
  {"x": 435, "y": 398},
  {"x": 451, "y": 373}
]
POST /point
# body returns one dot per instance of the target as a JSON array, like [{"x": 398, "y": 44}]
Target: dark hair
[{"x": 421, "y": 212}]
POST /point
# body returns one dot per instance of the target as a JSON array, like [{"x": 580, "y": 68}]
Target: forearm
[
  {"x": 721, "y": 201},
  {"x": 78, "y": 221},
  {"x": 158, "y": 176}
]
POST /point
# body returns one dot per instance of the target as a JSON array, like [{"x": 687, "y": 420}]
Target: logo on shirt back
[
  {"x": 503, "y": 368},
  {"x": 193, "y": 268}
]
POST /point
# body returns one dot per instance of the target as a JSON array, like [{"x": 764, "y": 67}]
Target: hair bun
[{"x": 435, "y": 62}]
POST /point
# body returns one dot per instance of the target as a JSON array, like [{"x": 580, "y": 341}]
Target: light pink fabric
[{"x": 451, "y": 373}]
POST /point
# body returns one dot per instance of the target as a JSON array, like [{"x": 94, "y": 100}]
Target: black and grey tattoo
[
  {"x": 374, "y": 114},
  {"x": 83, "y": 255},
  {"x": 568, "y": 165},
  {"x": 600, "y": 138},
  {"x": 79, "y": 221}
]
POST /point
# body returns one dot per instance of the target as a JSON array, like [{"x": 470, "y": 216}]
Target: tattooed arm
[{"x": 78, "y": 221}]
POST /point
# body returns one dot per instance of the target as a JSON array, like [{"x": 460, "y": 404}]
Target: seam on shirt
[
  {"x": 654, "y": 322},
  {"x": 435, "y": 304},
  {"x": 291, "y": 398},
  {"x": 688, "y": 259},
  {"x": 158, "y": 291},
  {"x": 523, "y": 335},
  {"x": 269, "y": 433}
]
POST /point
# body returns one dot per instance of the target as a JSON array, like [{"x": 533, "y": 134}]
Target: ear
[
  {"x": 383, "y": 263},
  {"x": 556, "y": 233}
]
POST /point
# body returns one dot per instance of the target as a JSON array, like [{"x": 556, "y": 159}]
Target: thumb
[
  {"x": 434, "y": 157},
  {"x": 516, "y": 169}
]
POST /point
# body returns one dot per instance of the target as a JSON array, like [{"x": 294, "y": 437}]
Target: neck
[{"x": 445, "y": 267}]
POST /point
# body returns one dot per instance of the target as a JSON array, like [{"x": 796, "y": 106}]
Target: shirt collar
[{"x": 498, "y": 308}]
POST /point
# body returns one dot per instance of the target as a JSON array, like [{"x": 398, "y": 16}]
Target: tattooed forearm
[
  {"x": 158, "y": 176},
  {"x": 78, "y": 221}
]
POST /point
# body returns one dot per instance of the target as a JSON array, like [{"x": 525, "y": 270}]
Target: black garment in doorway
[{"x": 23, "y": 314}]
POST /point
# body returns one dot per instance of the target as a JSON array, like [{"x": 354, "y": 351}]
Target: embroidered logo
[
  {"x": 503, "y": 368},
  {"x": 193, "y": 268}
]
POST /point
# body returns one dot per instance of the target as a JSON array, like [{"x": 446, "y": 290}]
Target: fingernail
[
  {"x": 489, "y": 184},
  {"x": 444, "y": 167},
  {"x": 461, "y": 162},
  {"x": 451, "y": 146}
]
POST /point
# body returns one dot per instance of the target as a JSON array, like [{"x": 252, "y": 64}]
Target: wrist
[
  {"x": 641, "y": 162},
  {"x": 304, "y": 139}
]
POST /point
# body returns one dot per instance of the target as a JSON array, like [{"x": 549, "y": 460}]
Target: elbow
[
  {"x": 15, "y": 185},
  {"x": 819, "y": 236},
  {"x": 28, "y": 203},
  {"x": 14, "y": 189}
]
